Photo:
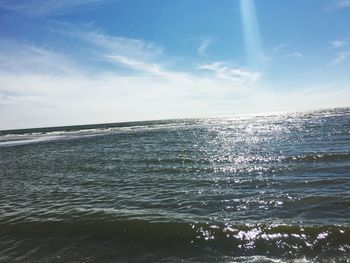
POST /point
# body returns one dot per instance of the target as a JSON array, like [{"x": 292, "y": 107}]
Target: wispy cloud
[
  {"x": 338, "y": 43},
  {"x": 44, "y": 7},
  {"x": 285, "y": 51},
  {"x": 205, "y": 43},
  {"x": 336, "y": 5},
  {"x": 153, "y": 70},
  {"x": 340, "y": 57},
  {"x": 43, "y": 87},
  {"x": 297, "y": 54},
  {"x": 32, "y": 97},
  {"x": 135, "y": 64},
  {"x": 22, "y": 57},
  {"x": 280, "y": 47},
  {"x": 236, "y": 75},
  {"x": 128, "y": 47},
  {"x": 343, "y": 3}
]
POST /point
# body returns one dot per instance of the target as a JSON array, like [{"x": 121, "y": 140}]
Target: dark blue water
[{"x": 257, "y": 188}]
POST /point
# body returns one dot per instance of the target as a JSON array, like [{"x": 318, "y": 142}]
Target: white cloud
[
  {"x": 46, "y": 100},
  {"x": 32, "y": 100},
  {"x": 45, "y": 88},
  {"x": 236, "y": 75},
  {"x": 154, "y": 70},
  {"x": 336, "y": 5},
  {"x": 338, "y": 43},
  {"x": 204, "y": 46},
  {"x": 296, "y": 100},
  {"x": 127, "y": 47},
  {"x": 135, "y": 64},
  {"x": 340, "y": 57},
  {"x": 20, "y": 57},
  {"x": 280, "y": 47},
  {"x": 285, "y": 51},
  {"x": 297, "y": 54},
  {"x": 343, "y": 3}
]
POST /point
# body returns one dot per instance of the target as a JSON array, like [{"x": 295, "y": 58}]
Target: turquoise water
[{"x": 245, "y": 188}]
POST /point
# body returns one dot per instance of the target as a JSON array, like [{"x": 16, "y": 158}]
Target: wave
[
  {"x": 237, "y": 239},
  {"x": 11, "y": 139},
  {"x": 320, "y": 157},
  {"x": 238, "y": 163}
]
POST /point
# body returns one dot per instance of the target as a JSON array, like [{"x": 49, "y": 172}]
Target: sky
[{"x": 68, "y": 62}]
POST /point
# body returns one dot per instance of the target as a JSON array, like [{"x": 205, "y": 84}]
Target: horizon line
[{"x": 270, "y": 113}]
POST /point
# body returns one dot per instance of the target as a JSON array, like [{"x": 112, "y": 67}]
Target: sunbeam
[{"x": 251, "y": 33}]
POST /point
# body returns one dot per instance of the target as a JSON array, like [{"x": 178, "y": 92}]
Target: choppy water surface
[{"x": 265, "y": 188}]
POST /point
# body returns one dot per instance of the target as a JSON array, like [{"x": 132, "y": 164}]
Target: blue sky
[{"x": 77, "y": 62}]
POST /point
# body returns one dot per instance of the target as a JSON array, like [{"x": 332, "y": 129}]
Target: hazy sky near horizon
[{"x": 93, "y": 61}]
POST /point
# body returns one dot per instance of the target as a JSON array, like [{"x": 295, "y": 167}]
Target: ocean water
[{"x": 244, "y": 188}]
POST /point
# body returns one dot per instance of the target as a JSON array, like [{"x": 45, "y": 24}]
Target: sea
[{"x": 243, "y": 188}]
